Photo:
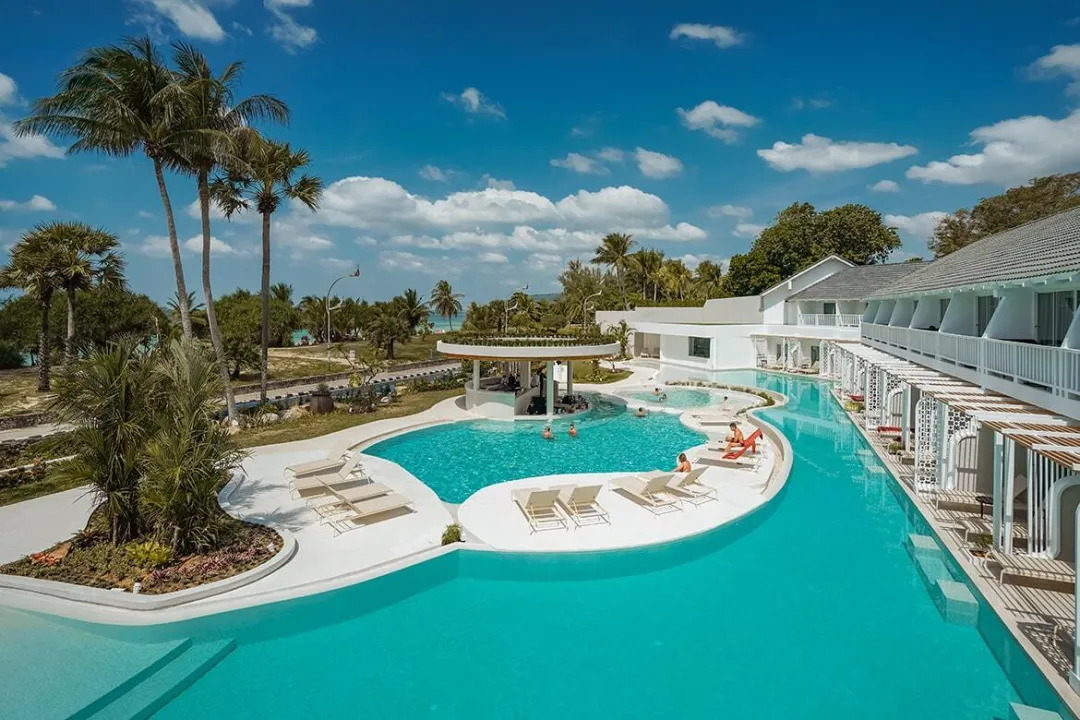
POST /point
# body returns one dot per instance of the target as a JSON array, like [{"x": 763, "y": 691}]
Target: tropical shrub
[
  {"x": 23, "y": 475},
  {"x": 452, "y": 534},
  {"x": 150, "y": 554}
]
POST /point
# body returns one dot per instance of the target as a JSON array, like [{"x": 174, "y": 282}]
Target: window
[
  {"x": 828, "y": 308},
  {"x": 943, "y": 307},
  {"x": 699, "y": 347},
  {"x": 1053, "y": 315},
  {"x": 986, "y": 304}
]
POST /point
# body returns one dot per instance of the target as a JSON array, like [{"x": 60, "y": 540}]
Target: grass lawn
[
  {"x": 31, "y": 490},
  {"x": 18, "y": 392},
  {"x": 604, "y": 376},
  {"x": 289, "y": 367},
  {"x": 316, "y": 425},
  {"x": 416, "y": 350}
]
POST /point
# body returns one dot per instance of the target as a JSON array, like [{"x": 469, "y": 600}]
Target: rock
[
  {"x": 294, "y": 413},
  {"x": 268, "y": 418}
]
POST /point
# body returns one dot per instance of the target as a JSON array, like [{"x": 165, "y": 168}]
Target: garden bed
[{"x": 90, "y": 560}]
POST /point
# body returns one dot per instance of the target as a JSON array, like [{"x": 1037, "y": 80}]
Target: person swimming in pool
[
  {"x": 656, "y": 392},
  {"x": 641, "y": 412},
  {"x": 683, "y": 464},
  {"x": 573, "y": 430},
  {"x": 735, "y": 439},
  {"x": 547, "y": 435}
]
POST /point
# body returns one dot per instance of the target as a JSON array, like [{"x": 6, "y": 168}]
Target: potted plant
[
  {"x": 980, "y": 545},
  {"x": 322, "y": 401},
  {"x": 895, "y": 447}
]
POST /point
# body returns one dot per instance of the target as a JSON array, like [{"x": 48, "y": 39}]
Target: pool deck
[{"x": 34, "y": 525}]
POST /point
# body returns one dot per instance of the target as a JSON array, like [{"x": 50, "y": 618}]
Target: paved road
[{"x": 406, "y": 373}]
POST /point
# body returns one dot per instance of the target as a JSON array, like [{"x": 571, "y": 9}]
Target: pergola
[{"x": 522, "y": 352}]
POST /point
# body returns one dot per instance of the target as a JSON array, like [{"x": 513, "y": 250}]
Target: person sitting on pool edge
[
  {"x": 573, "y": 430},
  {"x": 683, "y": 464},
  {"x": 735, "y": 439},
  {"x": 547, "y": 433}
]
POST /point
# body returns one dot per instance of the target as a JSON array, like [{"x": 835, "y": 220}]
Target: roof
[
  {"x": 1042, "y": 248},
  {"x": 823, "y": 260},
  {"x": 856, "y": 283}
]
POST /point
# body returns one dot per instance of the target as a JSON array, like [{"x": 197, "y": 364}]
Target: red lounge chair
[
  {"x": 750, "y": 444},
  {"x": 857, "y": 398},
  {"x": 888, "y": 429}
]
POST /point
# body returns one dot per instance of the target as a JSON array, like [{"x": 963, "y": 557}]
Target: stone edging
[
  {"x": 128, "y": 601},
  {"x": 14, "y": 422}
]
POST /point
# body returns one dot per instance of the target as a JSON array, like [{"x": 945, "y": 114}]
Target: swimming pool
[
  {"x": 676, "y": 398},
  {"x": 458, "y": 459},
  {"x": 809, "y": 608}
]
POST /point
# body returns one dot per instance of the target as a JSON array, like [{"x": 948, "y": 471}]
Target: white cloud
[
  {"x": 747, "y": 230},
  {"x": 544, "y": 261},
  {"x": 290, "y": 34},
  {"x": 216, "y": 213},
  {"x": 657, "y": 165},
  {"x": 721, "y": 36},
  {"x": 581, "y": 132},
  {"x": 885, "y": 186},
  {"x": 1062, "y": 60},
  {"x": 9, "y": 93},
  {"x": 497, "y": 184},
  {"x": 441, "y": 266},
  {"x": 492, "y": 257},
  {"x": 430, "y": 172},
  {"x": 735, "y": 211},
  {"x": 812, "y": 103},
  {"x": 919, "y": 226},
  {"x": 692, "y": 261},
  {"x": 611, "y": 154},
  {"x": 718, "y": 121},
  {"x": 580, "y": 164},
  {"x": 820, "y": 154},
  {"x": 475, "y": 102},
  {"x": 217, "y": 247},
  {"x": 190, "y": 17},
  {"x": 145, "y": 214},
  {"x": 155, "y": 245},
  {"x": 1013, "y": 152},
  {"x": 240, "y": 28},
  {"x": 24, "y": 148},
  {"x": 37, "y": 203},
  {"x": 337, "y": 264}
]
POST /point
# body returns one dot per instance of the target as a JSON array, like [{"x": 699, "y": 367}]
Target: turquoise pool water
[
  {"x": 809, "y": 608},
  {"x": 676, "y": 398},
  {"x": 458, "y": 459}
]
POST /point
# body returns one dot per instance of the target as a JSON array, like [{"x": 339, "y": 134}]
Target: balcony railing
[
  {"x": 1054, "y": 369},
  {"x": 831, "y": 320}
]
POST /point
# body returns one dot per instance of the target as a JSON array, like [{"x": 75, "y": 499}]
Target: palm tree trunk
[
  {"x": 211, "y": 314},
  {"x": 265, "y": 306},
  {"x": 44, "y": 302},
  {"x": 69, "y": 347},
  {"x": 622, "y": 288},
  {"x": 450, "y": 320},
  {"x": 174, "y": 247}
]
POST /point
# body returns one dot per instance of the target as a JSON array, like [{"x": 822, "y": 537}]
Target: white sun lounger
[
  {"x": 748, "y": 461},
  {"x": 649, "y": 491},
  {"x": 1032, "y": 566},
  {"x": 324, "y": 465},
  {"x": 717, "y": 418},
  {"x": 579, "y": 502},
  {"x": 538, "y": 506},
  {"x": 348, "y": 473},
  {"x": 690, "y": 487},
  {"x": 337, "y": 502},
  {"x": 368, "y": 509}
]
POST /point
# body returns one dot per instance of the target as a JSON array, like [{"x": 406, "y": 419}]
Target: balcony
[
  {"x": 1046, "y": 376},
  {"x": 831, "y": 320}
]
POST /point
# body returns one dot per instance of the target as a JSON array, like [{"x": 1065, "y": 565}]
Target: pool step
[
  {"x": 155, "y": 691},
  {"x": 1026, "y": 712}
]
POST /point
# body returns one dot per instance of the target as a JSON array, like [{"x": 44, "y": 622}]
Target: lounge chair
[
  {"x": 368, "y": 509},
  {"x": 649, "y": 491},
  {"x": 721, "y": 459},
  {"x": 750, "y": 443},
  {"x": 1033, "y": 566},
  {"x": 538, "y": 506},
  {"x": 714, "y": 418},
  {"x": 350, "y": 472},
  {"x": 317, "y": 466},
  {"x": 690, "y": 487},
  {"x": 579, "y": 502}
]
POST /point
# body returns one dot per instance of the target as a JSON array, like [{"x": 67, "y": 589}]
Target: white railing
[
  {"x": 1054, "y": 369},
  {"x": 831, "y": 320}
]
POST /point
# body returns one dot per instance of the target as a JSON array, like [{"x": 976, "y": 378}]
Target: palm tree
[
  {"x": 281, "y": 292},
  {"x": 446, "y": 302},
  {"x": 196, "y": 311},
  {"x": 709, "y": 279},
  {"x": 649, "y": 263},
  {"x": 37, "y": 267},
  {"x": 212, "y": 118},
  {"x": 481, "y": 318},
  {"x": 120, "y": 99},
  {"x": 89, "y": 259},
  {"x": 616, "y": 251},
  {"x": 388, "y": 325},
  {"x": 413, "y": 309},
  {"x": 264, "y": 177},
  {"x": 108, "y": 398},
  {"x": 677, "y": 277}
]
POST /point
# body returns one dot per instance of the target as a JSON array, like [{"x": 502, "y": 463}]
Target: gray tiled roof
[
  {"x": 1044, "y": 247},
  {"x": 856, "y": 283}
]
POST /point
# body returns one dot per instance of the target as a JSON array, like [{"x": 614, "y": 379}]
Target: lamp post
[
  {"x": 585, "y": 309},
  {"x": 354, "y": 274},
  {"x": 507, "y": 308}
]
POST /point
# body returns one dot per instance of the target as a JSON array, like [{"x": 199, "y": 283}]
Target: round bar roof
[{"x": 527, "y": 348}]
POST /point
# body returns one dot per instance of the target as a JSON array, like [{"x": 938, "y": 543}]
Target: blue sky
[{"x": 487, "y": 143}]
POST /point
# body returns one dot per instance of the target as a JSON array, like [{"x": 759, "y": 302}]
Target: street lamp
[
  {"x": 585, "y": 309},
  {"x": 354, "y": 274},
  {"x": 507, "y": 308}
]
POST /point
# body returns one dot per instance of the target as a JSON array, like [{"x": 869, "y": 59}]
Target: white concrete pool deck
[{"x": 35, "y": 525}]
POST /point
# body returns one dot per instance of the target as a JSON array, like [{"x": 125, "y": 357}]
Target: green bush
[
  {"x": 149, "y": 555},
  {"x": 10, "y": 357},
  {"x": 23, "y": 475},
  {"x": 452, "y": 534}
]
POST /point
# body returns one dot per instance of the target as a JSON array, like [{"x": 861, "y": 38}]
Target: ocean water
[
  {"x": 809, "y": 608},
  {"x": 458, "y": 459}
]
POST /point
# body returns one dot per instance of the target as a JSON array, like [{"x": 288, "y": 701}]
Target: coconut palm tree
[
  {"x": 89, "y": 259},
  {"x": 264, "y": 176},
  {"x": 445, "y": 302},
  {"x": 119, "y": 100},
  {"x": 413, "y": 309},
  {"x": 481, "y": 318},
  {"x": 709, "y": 278},
  {"x": 649, "y": 263},
  {"x": 616, "y": 251},
  {"x": 212, "y": 118},
  {"x": 37, "y": 267},
  {"x": 677, "y": 277}
]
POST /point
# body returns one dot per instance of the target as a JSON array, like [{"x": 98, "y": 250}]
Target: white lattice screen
[
  {"x": 888, "y": 391},
  {"x": 1043, "y": 473},
  {"x": 872, "y": 401},
  {"x": 926, "y": 437}
]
